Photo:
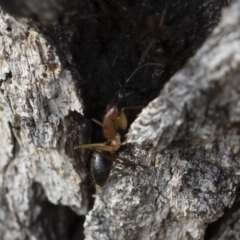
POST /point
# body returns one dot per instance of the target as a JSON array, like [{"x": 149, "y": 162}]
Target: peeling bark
[
  {"x": 36, "y": 97},
  {"x": 54, "y": 77}
]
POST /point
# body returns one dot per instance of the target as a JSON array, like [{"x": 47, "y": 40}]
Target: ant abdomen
[{"x": 100, "y": 168}]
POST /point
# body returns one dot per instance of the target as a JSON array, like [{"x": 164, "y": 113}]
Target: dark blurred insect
[
  {"x": 114, "y": 120},
  {"x": 155, "y": 27},
  {"x": 159, "y": 32}
]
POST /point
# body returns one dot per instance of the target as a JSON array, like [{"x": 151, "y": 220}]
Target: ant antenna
[
  {"x": 97, "y": 122},
  {"x": 144, "y": 65},
  {"x": 114, "y": 76},
  {"x": 121, "y": 86}
]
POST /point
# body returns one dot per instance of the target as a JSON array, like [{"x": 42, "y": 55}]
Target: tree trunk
[{"x": 61, "y": 65}]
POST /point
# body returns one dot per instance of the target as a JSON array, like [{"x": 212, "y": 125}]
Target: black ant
[{"x": 114, "y": 119}]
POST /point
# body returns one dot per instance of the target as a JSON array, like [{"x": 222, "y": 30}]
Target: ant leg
[
  {"x": 124, "y": 161},
  {"x": 141, "y": 66},
  {"x": 97, "y": 122},
  {"x": 146, "y": 51},
  {"x": 161, "y": 23},
  {"x": 120, "y": 160},
  {"x": 113, "y": 147},
  {"x": 96, "y": 146},
  {"x": 143, "y": 35}
]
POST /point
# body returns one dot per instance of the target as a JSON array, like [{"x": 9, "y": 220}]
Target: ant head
[{"x": 123, "y": 97}]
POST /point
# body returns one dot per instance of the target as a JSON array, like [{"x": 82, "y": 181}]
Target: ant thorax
[{"x": 109, "y": 126}]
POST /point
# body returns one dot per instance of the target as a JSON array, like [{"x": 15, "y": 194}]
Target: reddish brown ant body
[{"x": 114, "y": 119}]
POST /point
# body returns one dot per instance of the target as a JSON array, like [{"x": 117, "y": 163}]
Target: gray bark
[
  {"x": 37, "y": 99},
  {"x": 188, "y": 137}
]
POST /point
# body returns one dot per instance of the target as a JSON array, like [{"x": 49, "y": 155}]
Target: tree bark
[{"x": 56, "y": 72}]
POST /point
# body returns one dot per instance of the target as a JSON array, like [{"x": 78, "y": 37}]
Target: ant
[
  {"x": 155, "y": 27},
  {"x": 158, "y": 30},
  {"x": 114, "y": 120}
]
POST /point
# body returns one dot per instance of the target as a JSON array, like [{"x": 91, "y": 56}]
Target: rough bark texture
[
  {"x": 40, "y": 113},
  {"x": 54, "y": 77}
]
